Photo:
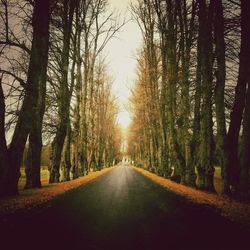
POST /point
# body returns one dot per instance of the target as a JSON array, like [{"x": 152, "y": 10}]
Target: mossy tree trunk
[
  {"x": 172, "y": 73},
  {"x": 186, "y": 41},
  {"x": 206, "y": 168},
  {"x": 219, "y": 91},
  {"x": 66, "y": 156},
  {"x": 196, "y": 126}
]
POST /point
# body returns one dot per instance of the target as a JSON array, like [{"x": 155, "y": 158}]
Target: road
[{"x": 121, "y": 210}]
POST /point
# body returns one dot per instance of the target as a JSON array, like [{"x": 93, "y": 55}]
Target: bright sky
[{"x": 121, "y": 56}]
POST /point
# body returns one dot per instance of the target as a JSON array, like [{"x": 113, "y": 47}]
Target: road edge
[
  {"x": 31, "y": 198},
  {"x": 229, "y": 208}
]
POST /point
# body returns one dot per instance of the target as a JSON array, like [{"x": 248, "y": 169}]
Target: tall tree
[
  {"x": 244, "y": 77},
  {"x": 206, "y": 168},
  {"x": 64, "y": 92},
  {"x": 35, "y": 77},
  {"x": 219, "y": 93},
  {"x": 232, "y": 140},
  {"x": 35, "y": 137}
]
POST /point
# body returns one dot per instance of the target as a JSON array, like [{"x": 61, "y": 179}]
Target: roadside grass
[
  {"x": 44, "y": 177},
  {"x": 217, "y": 180}
]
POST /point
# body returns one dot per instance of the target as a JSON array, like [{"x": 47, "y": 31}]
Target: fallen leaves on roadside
[
  {"x": 232, "y": 209},
  {"x": 31, "y": 198}
]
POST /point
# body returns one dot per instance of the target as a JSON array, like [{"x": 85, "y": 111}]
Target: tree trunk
[
  {"x": 197, "y": 110},
  {"x": 36, "y": 71},
  {"x": 219, "y": 90},
  {"x": 206, "y": 168},
  {"x": 66, "y": 165},
  {"x": 64, "y": 95},
  {"x": 185, "y": 44},
  {"x": 165, "y": 166},
  {"x": 35, "y": 138},
  {"x": 243, "y": 185},
  {"x": 172, "y": 72},
  {"x": 232, "y": 140},
  {"x": 3, "y": 146}
]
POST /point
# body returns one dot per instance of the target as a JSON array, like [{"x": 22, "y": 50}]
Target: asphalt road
[{"x": 121, "y": 210}]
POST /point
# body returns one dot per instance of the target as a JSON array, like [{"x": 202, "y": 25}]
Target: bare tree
[{"x": 36, "y": 70}]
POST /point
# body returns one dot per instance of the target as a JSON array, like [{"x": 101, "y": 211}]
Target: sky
[{"x": 121, "y": 58}]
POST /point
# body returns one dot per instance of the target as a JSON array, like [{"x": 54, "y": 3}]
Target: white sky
[{"x": 121, "y": 57}]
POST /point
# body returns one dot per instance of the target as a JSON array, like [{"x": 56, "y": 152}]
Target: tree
[
  {"x": 243, "y": 83},
  {"x": 232, "y": 140},
  {"x": 35, "y": 137},
  {"x": 206, "y": 169},
  {"x": 68, "y": 10},
  {"x": 219, "y": 93},
  {"x": 35, "y": 77}
]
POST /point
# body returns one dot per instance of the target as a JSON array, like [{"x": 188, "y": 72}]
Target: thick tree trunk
[
  {"x": 232, "y": 140},
  {"x": 32, "y": 168},
  {"x": 244, "y": 161},
  {"x": 185, "y": 44},
  {"x": 219, "y": 91},
  {"x": 243, "y": 187},
  {"x": 36, "y": 71},
  {"x": 206, "y": 168},
  {"x": 35, "y": 137},
  {"x": 172, "y": 72}
]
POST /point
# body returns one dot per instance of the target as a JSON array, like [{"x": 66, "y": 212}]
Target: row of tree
[
  {"x": 191, "y": 98},
  {"x": 55, "y": 87}
]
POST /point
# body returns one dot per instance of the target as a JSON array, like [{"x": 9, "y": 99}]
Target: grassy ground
[{"x": 217, "y": 180}]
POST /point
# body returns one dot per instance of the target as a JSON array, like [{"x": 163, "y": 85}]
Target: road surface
[{"x": 121, "y": 210}]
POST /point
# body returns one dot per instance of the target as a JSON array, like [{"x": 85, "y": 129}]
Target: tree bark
[
  {"x": 172, "y": 72},
  {"x": 232, "y": 140},
  {"x": 3, "y": 145},
  {"x": 37, "y": 67},
  {"x": 66, "y": 161},
  {"x": 244, "y": 156},
  {"x": 64, "y": 95},
  {"x": 35, "y": 137},
  {"x": 206, "y": 168},
  {"x": 186, "y": 38},
  {"x": 219, "y": 91},
  {"x": 196, "y": 126}
]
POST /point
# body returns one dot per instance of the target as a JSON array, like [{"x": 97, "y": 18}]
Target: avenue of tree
[
  {"x": 55, "y": 87},
  {"x": 191, "y": 100}
]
